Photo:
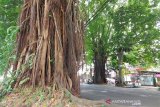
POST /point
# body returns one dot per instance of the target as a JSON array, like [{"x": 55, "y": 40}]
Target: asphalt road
[{"x": 130, "y": 97}]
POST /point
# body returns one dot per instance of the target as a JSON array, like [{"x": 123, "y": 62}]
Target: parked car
[
  {"x": 89, "y": 81},
  {"x": 132, "y": 80}
]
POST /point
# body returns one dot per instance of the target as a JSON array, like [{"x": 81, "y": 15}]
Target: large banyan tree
[{"x": 49, "y": 44}]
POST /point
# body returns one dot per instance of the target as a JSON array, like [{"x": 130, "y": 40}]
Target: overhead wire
[{"x": 96, "y": 13}]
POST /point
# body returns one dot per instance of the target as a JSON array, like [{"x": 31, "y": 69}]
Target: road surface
[{"x": 130, "y": 97}]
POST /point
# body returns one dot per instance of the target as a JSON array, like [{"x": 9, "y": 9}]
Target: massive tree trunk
[
  {"x": 99, "y": 68},
  {"x": 49, "y": 44}
]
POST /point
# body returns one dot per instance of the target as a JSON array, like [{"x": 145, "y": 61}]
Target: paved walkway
[{"x": 150, "y": 88}]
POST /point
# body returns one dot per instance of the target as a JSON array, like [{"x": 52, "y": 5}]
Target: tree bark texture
[
  {"x": 49, "y": 44},
  {"x": 99, "y": 69},
  {"x": 120, "y": 63}
]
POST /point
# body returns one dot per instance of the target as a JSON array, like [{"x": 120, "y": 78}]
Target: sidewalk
[{"x": 150, "y": 88}]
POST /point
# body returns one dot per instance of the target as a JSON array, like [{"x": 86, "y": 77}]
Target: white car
[{"x": 132, "y": 81}]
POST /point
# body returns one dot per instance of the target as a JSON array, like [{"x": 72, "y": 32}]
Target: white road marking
[
  {"x": 144, "y": 95},
  {"x": 103, "y": 91}
]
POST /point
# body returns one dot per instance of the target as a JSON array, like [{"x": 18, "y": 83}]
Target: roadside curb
[{"x": 151, "y": 88}]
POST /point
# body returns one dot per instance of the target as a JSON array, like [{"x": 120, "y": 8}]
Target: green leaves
[
  {"x": 124, "y": 26},
  {"x": 7, "y": 84},
  {"x": 134, "y": 25},
  {"x": 7, "y": 46},
  {"x": 9, "y": 10}
]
